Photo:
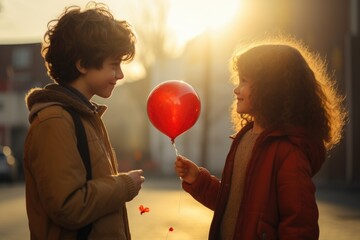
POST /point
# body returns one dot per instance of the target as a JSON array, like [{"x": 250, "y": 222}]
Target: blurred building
[{"x": 21, "y": 68}]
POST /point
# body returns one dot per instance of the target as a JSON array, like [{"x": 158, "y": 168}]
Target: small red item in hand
[{"x": 143, "y": 209}]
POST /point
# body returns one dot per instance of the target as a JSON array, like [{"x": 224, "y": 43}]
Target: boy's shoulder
[{"x": 53, "y": 111}]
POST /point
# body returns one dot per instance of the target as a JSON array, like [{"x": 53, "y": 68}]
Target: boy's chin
[{"x": 105, "y": 95}]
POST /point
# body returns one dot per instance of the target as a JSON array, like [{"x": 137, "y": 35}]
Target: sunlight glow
[
  {"x": 133, "y": 71},
  {"x": 188, "y": 18}
]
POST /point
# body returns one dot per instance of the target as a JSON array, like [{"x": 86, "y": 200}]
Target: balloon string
[
  {"x": 176, "y": 151},
  {"x": 177, "y": 154}
]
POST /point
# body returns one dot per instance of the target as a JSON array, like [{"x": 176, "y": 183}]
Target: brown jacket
[{"x": 59, "y": 200}]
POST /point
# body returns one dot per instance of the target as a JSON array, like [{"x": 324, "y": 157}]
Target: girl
[{"x": 287, "y": 115}]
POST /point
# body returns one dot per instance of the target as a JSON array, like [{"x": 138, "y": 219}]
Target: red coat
[{"x": 279, "y": 195}]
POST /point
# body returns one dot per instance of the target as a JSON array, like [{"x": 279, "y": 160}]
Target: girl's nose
[{"x": 236, "y": 90}]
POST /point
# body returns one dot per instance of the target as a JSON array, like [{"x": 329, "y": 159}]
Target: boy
[{"x": 83, "y": 51}]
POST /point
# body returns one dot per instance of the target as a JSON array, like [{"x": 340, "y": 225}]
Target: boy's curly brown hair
[
  {"x": 291, "y": 88},
  {"x": 91, "y": 36}
]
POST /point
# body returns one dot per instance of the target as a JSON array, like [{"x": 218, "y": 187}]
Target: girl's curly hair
[
  {"x": 291, "y": 88},
  {"x": 90, "y": 36}
]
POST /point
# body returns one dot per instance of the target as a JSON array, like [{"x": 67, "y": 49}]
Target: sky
[{"x": 25, "y": 21}]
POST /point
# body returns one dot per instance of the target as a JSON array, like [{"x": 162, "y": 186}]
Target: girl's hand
[{"x": 186, "y": 169}]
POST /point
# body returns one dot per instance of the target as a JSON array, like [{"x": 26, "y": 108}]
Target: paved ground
[
  {"x": 339, "y": 210},
  {"x": 169, "y": 207}
]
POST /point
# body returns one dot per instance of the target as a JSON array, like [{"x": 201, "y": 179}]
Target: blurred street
[{"x": 170, "y": 207}]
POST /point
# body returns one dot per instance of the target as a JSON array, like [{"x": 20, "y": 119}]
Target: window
[{"x": 21, "y": 57}]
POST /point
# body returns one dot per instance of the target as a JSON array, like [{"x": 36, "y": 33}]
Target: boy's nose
[{"x": 118, "y": 74}]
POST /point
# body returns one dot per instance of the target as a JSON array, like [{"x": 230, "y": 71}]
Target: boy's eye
[{"x": 115, "y": 64}]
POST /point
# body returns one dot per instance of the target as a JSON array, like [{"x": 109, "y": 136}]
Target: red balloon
[{"x": 173, "y": 107}]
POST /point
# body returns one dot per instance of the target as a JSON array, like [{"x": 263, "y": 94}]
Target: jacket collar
[
  {"x": 314, "y": 148},
  {"x": 79, "y": 96},
  {"x": 54, "y": 94}
]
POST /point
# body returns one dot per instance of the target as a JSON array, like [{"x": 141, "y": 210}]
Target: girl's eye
[{"x": 242, "y": 82}]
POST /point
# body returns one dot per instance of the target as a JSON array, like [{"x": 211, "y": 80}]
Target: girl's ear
[{"x": 79, "y": 67}]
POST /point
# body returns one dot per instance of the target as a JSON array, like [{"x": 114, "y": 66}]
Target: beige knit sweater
[{"x": 242, "y": 157}]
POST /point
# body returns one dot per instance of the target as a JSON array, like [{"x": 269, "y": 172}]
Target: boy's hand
[
  {"x": 186, "y": 169},
  {"x": 137, "y": 177}
]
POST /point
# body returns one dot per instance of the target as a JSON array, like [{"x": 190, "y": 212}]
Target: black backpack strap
[
  {"x": 83, "y": 148},
  {"x": 82, "y": 143}
]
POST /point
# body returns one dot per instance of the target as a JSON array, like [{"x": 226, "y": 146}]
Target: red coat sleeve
[{"x": 205, "y": 189}]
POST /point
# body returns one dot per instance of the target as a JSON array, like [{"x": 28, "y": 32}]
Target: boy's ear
[{"x": 79, "y": 67}]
